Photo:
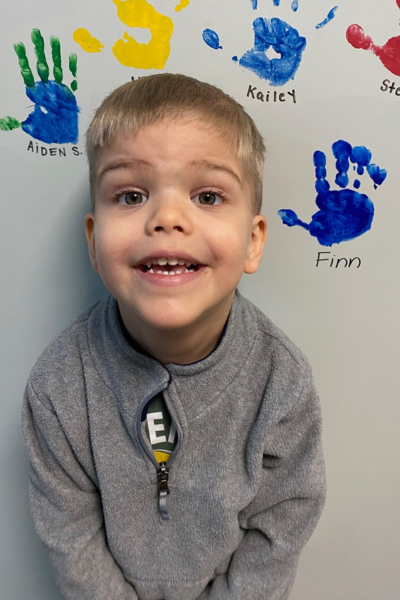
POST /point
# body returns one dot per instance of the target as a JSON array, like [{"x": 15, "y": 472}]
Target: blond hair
[{"x": 173, "y": 96}]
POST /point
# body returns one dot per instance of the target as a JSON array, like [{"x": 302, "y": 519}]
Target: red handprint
[{"x": 389, "y": 54}]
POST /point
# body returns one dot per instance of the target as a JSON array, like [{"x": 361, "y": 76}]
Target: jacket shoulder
[
  {"x": 289, "y": 384},
  {"x": 60, "y": 367},
  {"x": 273, "y": 341}
]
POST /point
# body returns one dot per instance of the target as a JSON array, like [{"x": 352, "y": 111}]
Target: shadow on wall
[
  {"x": 87, "y": 287},
  {"x": 63, "y": 286},
  {"x": 67, "y": 283}
]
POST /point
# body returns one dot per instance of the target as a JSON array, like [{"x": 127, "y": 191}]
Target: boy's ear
[
  {"x": 256, "y": 245},
  {"x": 90, "y": 237}
]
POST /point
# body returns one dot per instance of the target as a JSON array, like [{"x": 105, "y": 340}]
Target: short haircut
[{"x": 174, "y": 96}]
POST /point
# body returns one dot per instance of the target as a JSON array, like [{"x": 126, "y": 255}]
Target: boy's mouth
[{"x": 169, "y": 266}]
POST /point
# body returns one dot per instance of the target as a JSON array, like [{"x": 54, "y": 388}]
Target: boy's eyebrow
[
  {"x": 197, "y": 164},
  {"x": 209, "y": 166},
  {"x": 125, "y": 164}
]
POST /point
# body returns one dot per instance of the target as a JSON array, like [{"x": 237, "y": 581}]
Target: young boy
[{"x": 173, "y": 430}]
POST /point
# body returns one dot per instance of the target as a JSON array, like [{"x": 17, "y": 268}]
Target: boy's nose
[{"x": 170, "y": 214}]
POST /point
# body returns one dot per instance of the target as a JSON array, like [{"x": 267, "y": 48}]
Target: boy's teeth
[
  {"x": 168, "y": 261},
  {"x": 177, "y": 272}
]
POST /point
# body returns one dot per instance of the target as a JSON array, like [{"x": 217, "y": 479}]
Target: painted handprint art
[
  {"x": 271, "y": 35},
  {"x": 294, "y": 4},
  {"x": 128, "y": 51},
  {"x": 54, "y": 119},
  {"x": 388, "y": 54},
  {"x": 344, "y": 214},
  {"x": 284, "y": 40}
]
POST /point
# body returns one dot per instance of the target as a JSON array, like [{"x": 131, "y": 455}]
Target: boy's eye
[
  {"x": 132, "y": 198},
  {"x": 208, "y": 198}
]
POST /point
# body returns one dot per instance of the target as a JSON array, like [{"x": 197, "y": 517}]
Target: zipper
[
  {"x": 162, "y": 469},
  {"x": 163, "y": 490}
]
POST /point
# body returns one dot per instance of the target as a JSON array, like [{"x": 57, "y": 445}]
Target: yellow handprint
[
  {"x": 129, "y": 52},
  {"x": 154, "y": 55}
]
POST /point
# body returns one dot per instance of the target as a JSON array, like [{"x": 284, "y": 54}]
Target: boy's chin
[
  {"x": 169, "y": 318},
  {"x": 174, "y": 322}
]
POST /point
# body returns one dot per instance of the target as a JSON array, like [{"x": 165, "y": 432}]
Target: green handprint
[{"x": 54, "y": 119}]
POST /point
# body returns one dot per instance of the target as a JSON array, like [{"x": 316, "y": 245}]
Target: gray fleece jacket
[{"x": 246, "y": 481}]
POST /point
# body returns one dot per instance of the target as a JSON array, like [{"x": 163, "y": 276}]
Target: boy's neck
[{"x": 183, "y": 346}]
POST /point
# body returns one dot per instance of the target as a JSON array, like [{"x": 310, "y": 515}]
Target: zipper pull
[{"x": 163, "y": 490}]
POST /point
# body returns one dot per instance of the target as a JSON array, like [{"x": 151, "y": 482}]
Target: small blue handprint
[
  {"x": 54, "y": 118},
  {"x": 344, "y": 214}
]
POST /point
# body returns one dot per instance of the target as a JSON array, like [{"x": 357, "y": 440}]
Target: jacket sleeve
[
  {"x": 67, "y": 512},
  {"x": 282, "y": 516}
]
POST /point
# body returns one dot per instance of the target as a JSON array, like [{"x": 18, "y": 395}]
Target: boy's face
[{"x": 174, "y": 191}]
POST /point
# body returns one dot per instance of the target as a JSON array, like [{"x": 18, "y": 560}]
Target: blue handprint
[
  {"x": 54, "y": 119},
  {"x": 273, "y": 33},
  {"x": 344, "y": 214},
  {"x": 285, "y": 40}
]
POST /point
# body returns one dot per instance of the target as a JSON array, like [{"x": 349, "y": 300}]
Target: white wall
[{"x": 345, "y": 319}]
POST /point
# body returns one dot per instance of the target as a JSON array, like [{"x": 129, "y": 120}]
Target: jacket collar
[{"x": 135, "y": 378}]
